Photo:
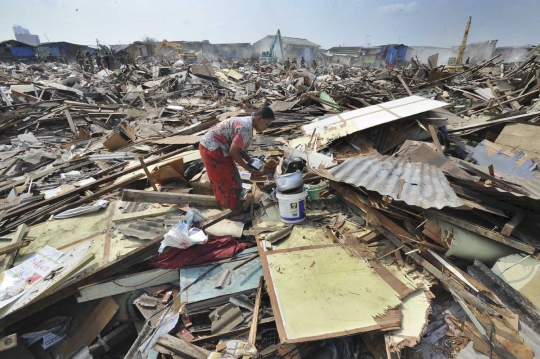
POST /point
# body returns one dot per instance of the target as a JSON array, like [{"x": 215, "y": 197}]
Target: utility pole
[{"x": 367, "y": 39}]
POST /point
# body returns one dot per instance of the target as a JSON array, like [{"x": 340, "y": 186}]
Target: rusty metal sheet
[
  {"x": 417, "y": 184},
  {"x": 283, "y": 105}
]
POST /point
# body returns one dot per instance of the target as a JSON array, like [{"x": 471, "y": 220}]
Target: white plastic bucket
[{"x": 292, "y": 207}]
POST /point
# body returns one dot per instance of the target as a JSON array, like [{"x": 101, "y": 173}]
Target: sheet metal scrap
[
  {"x": 225, "y": 318},
  {"x": 417, "y": 184}
]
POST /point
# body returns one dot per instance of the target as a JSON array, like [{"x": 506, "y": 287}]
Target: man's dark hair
[{"x": 265, "y": 112}]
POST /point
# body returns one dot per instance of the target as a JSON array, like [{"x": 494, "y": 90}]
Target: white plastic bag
[{"x": 180, "y": 236}]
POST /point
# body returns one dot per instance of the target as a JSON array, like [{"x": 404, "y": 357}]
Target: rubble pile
[{"x": 421, "y": 207}]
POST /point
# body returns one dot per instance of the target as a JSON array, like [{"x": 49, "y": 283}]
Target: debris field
[{"x": 417, "y": 224}]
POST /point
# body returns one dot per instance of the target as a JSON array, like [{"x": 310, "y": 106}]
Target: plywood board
[
  {"x": 303, "y": 236},
  {"x": 522, "y": 137},
  {"x": 85, "y": 333},
  {"x": 415, "y": 308},
  {"x": 323, "y": 293},
  {"x": 60, "y": 233},
  {"x": 341, "y": 125},
  {"x": 71, "y": 265}
]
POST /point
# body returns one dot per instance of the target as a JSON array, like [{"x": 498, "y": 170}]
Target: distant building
[
  {"x": 391, "y": 56},
  {"x": 345, "y": 50},
  {"x": 292, "y": 48},
  {"x": 368, "y": 55},
  {"x": 512, "y": 53},
  {"x": 24, "y": 35},
  {"x": 58, "y": 51},
  {"x": 235, "y": 50},
  {"x": 14, "y": 51}
]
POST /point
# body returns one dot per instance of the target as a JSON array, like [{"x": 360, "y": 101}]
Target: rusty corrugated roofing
[
  {"x": 283, "y": 105},
  {"x": 417, "y": 184}
]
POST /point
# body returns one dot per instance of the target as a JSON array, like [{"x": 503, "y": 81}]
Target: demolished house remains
[{"x": 411, "y": 225}]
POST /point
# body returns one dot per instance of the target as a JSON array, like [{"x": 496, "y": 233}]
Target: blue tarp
[
  {"x": 22, "y": 51},
  {"x": 392, "y": 55},
  {"x": 55, "y": 49}
]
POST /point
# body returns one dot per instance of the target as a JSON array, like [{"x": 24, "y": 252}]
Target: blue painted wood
[{"x": 243, "y": 278}]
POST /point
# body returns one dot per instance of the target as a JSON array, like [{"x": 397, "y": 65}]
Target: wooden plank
[
  {"x": 182, "y": 347},
  {"x": 85, "y": 333},
  {"x": 39, "y": 204},
  {"x": 463, "y": 192},
  {"x": 370, "y": 237},
  {"x": 405, "y": 85},
  {"x": 246, "y": 261},
  {"x": 10, "y": 257},
  {"x": 13, "y": 247},
  {"x": 216, "y": 219},
  {"x": 122, "y": 217},
  {"x": 482, "y": 231},
  {"x": 433, "y": 133},
  {"x": 25, "y": 96},
  {"x": 148, "y": 175},
  {"x": 168, "y": 198},
  {"x": 513, "y": 223},
  {"x": 255, "y": 322},
  {"x": 70, "y": 121},
  {"x": 128, "y": 283}
]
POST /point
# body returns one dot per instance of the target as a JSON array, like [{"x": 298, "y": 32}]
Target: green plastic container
[{"x": 313, "y": 192}]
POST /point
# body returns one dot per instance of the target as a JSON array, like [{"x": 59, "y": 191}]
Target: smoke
[{"x": 399, "y": 7}]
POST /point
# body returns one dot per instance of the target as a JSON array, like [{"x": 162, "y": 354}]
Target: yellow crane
[
  {"x": 178, "y": 48},
  {"x": 459, "y": 59},
  {"x": 457, "y": 63}
]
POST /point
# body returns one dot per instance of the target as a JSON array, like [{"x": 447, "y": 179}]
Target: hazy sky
[{"x": 328, "y": 23}]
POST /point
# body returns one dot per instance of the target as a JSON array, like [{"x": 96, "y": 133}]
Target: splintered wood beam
[
  {"x": 216, "y": 219},
  {"x": 405, "y": 85},
  {"x": 513, "y": 223},
  {"x": 433, "y": 133},
  {"x": 148, "y": 175},
  {"x": 182, "y": 347},
  {"x": 482, "y": 231},
  {"x": 70, "y": 121},
  {"x": 168, "y": 198},
  {"x": 255, "y": 321},
  {"x": 10, "y": 257},
  {"x": 13, "y": 247}
]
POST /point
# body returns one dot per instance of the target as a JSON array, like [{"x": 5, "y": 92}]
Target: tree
[{"x": 149, "y": 42}]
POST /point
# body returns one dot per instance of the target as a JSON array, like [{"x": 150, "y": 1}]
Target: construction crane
[
  {"x": 459, "y": 59},
  {"x": 455, "y": 63},
  {"x": 178, "y": 48},
  {"x": 269, "y": 56}
]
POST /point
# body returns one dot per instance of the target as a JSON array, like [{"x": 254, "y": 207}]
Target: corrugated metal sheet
[
  {"x": 346, "y": 123},
  {"x": 283, "y": 105},
  {"x": 417, "y": 184}
]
